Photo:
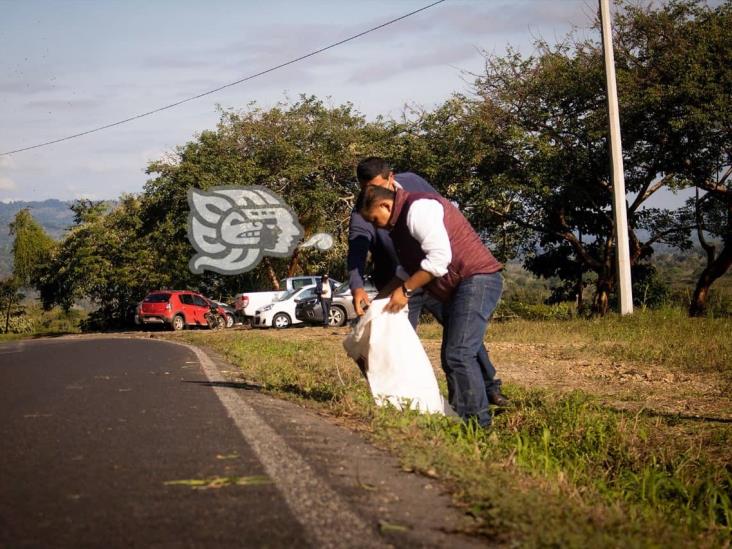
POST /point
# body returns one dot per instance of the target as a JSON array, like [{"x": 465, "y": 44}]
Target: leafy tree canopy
[{"x": 32, "y": 247}]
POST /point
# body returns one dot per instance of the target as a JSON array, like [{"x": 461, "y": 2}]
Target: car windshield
[
  {"x": 307, "y": 294},
  {"x": 342, "y": 288},
  {"x": 287, "y": 295},
  {"x": 157, "y": 298}
]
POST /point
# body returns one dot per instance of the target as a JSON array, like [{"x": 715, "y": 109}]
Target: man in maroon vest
[{"x": 439, "y": 250}]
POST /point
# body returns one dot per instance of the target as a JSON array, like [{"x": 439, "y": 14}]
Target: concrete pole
[{"x": 622, "y": 249}]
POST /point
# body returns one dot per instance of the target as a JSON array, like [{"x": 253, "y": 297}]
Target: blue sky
[{"x": 70, "y": 66}]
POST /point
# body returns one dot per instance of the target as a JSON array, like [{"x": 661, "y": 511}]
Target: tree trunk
[
  {"x": 580, "y": 282},
  {"x": 578, "y": 295},
  {"x": 714, "y": 270},
  {"x": 602, "y": 296},
  {"x": 7, "y": 315},
  {"x": 294, "y": 263},
  {"x": 271, "y": 274}
]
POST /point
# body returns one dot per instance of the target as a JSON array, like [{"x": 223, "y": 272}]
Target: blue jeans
[
  {"x": 325, "y": 305},
  {"x": 465, "y": 320},
  {"x": 424, "y": 300}
]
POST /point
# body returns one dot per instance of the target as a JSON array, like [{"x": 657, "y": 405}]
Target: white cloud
[
  {"x": 7, "y": 184},
  {"x": 7, "y": 162}
]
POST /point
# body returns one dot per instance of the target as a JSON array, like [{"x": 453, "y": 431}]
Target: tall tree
[
  {"x": 674, "y": 104},
  {"x": 106, "y": 258},
  {"x": 10, "y": 296},
  {"x": 304, "y": 151},
  {"x": 32, "y": 248},
  {"x": 679, "y": 62}
]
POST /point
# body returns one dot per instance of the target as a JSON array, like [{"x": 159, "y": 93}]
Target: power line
[{"x": 209, "y": 92}]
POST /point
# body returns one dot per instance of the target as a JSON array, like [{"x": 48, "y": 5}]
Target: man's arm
[{"x": 361, "y": 235}]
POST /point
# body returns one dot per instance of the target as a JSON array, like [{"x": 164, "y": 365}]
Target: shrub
[{"x": 20, "y": 324}]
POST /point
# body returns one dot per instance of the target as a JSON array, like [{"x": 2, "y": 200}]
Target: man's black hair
[
  {"x": 371, "y": 167},
  {"x": 372, "y": 195}
]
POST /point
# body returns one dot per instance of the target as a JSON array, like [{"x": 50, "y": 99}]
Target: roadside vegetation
[
  {"x": 30, "y": 320},
  {"x": 570, "y": 464}
]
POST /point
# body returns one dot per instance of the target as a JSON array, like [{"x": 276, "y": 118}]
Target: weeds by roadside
[
  {"x": 560, "y": 468},
  {"x": 563, "y": 471}
]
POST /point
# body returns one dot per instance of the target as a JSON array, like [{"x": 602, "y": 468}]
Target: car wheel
[
  {"x": 336, "y": 316},
  {"x": 229, "y": 320},
  {"x": 220, "y": 322},
  {"x": 178, "y": 323},
  {"x": 281, "y": 320}
]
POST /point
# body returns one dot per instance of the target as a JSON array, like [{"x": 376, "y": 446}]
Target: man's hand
[
  {"x": 397, "y": 302},
  {"x": 360, "y": 297}
]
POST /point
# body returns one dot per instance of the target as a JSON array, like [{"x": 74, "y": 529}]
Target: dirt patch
[
  {"x": 629, "y": 386},
  {"x": 651, "y": 388}
]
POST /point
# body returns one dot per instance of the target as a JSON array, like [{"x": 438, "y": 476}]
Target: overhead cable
[{"x": 230, "y": 84}]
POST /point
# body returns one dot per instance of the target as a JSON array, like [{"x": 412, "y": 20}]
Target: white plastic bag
[{"x": 397, "y": 367}]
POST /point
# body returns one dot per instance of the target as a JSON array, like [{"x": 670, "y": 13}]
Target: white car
[{"x": 281, "y": 312}]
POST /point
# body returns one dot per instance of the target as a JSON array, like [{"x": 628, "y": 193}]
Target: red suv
[{"x": 178, "y": 309}]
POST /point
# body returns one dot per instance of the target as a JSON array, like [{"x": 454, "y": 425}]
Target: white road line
[{"x": 327, "y": 519}]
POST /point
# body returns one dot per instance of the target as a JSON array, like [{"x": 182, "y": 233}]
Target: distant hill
[{"x": 55, "y": 216}]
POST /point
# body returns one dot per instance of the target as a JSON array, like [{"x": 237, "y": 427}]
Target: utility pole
[{"x": 622, "y": 249}]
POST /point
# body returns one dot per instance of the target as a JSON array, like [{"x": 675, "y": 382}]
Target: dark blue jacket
[{"x": 363, "y": 238}]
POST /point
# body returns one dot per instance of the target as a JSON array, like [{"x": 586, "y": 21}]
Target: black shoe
[{"x": 498, "y": 399}]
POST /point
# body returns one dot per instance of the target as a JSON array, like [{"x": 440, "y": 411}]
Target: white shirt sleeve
[{"x": 426, "y": 223}]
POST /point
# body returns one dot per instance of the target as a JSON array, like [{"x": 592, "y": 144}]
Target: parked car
[
  {"x": 309, "y": 310},
  {"x": 177, "y": 309},
  {"x": 246, "y": 304},
  {"x": 281, "y": 312}
]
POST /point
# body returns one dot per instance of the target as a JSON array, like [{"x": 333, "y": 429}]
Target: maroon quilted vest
[{"x": 469, "y": 254}]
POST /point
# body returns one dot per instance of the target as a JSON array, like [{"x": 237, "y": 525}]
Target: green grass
[
  {"x": 310, "y": 370},
  {"x": 558, "y": 469},
  {"x": 565, "y": 471},
  {"x": 667, "y": 336}
]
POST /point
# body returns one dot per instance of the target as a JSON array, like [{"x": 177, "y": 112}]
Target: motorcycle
[{"x": 214, "y": 319}]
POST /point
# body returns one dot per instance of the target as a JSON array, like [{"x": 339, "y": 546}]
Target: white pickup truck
[{"x": 247, "y": 303}]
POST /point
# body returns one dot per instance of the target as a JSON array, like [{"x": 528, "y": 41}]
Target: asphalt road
[
  {"x": 114, "y": 442},
  {"x": 94, "y": 432}
]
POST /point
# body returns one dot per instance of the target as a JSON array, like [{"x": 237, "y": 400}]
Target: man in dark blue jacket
[{"x": 363, "y": 238}]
